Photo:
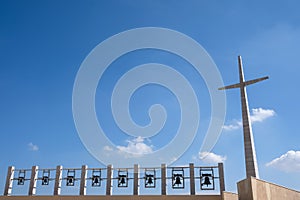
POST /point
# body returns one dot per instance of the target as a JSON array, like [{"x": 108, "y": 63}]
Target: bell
[
  {"x": 96, "y": 180},
  {"x": 149, "y": 181},
  {"x": 122, "y": 181},
  {"x": 20, "y": 181},
  {"x": 45, "y": 180},
  {"x": 206, "y": 181},
  {"x": 70, "y": 180},
  {"x": 177, "y": 181}
]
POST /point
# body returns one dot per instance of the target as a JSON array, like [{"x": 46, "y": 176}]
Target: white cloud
[
  {"x": 260, "y": 114},
  {"x": 211, "y": 158},
  {"x": 233, "y": 126},
  {"x": 257, "y": 115},
  {"x": 107, "y": 148},
  {"x": 288, "y": 162},
  {"x": 32, "y": 147},
  {"x": 136, "y": 146}
]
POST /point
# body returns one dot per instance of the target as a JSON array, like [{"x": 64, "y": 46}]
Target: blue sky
[{"x": 43, "y": 43}]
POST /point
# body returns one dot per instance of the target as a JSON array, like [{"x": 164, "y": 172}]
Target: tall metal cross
[{"x": 250, "y": 155}]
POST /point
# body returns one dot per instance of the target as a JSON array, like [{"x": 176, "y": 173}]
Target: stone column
[
  {"x": 9, "y": 181},
  {"x": 221, "y": 177},
  {"x": 109, "y": 180},
  {"x": 83, "y": 180},
  {"x": 58, "y": 177},
  {"x": 136, "y": 180},
  {"x": 163, "y": 179},
  {"x": 33, "y": 178},
  {"x": 192, "y": 179}
]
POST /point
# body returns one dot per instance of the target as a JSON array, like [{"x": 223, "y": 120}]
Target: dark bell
[
  {"x": 20, "y": 181},
  {"x": 70, "y": 180},
  {"x": 122, "y": 181},
  {"x": 45, "y": 180},
  {"x": 96, "y": 180},
  {"x": 206, "y": 181},
  {"x": 177, "y": 181},
  {"x": 150, "y": 181}
]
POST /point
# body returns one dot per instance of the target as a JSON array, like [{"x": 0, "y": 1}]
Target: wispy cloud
[
  {"x": 288, "y": 162},
  {"x": 257, "y": 115},
  {"x": 32, "y": 147},
  {"x": 136, "y": 146},
  {"x": 107, "y": 148},
  {"x": 211, "y": 158},
  {"x": 233, "y": 126},
  {"x": 260, "y": 114}
]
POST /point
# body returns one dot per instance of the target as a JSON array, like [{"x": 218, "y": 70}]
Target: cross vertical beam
[
  {"x": 249, "y": 148},
  {"x": 250, "y": 154}
]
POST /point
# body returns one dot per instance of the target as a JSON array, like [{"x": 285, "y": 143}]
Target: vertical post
[
  {"x": 163, "y": 179},
  {"x": 57, "y": 184},
  {"x": 136, "y": 180},
  {"x": 9, "y": 181},
  {"x": 221, "y": 177},
  {"x": 82, "y": 190},
  {"x": 108, "y": 180},
  {"x": 192, "y": 179},
  {"x": 33, "y": 178}
]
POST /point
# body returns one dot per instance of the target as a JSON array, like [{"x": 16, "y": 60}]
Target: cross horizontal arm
[
  {"x": 243, "y": 84},
  {"x": 255, "y": 80},
  {"x": 238, "y": 85}
]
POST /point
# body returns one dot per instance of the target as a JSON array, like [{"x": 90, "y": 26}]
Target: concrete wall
[
  {"x": 116, "y": 197},
  {"x": 229, "y": 196},
  {"x": 254, "y": 189}
]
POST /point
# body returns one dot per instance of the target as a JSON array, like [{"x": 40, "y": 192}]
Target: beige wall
[
  {"x": 116, "y": 197},
  {"x": 254, "y": 189},
  {"x": 229, "y": 196}
]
